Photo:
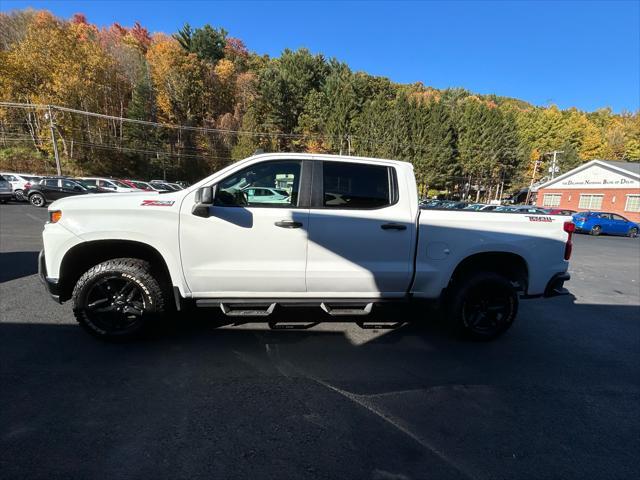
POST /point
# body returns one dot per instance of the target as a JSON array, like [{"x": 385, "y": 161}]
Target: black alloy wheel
[
  {"x": 115, "y": 303},
  {"x": 482, "y": 305},
  {"x": 484, "y": 310},
  {"x": 116, "y": 298}
]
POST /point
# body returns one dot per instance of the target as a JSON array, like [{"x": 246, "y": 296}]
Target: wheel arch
[
  {"x": 83, "y": 256},
  {"x": 511, "y": 265}
]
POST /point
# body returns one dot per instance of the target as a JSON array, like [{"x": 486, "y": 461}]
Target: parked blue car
[{"x": 596, "y": 223}]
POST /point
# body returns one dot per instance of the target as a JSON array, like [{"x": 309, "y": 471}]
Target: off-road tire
[
  {"x": 146, "y": 286},
  {"x": 37, "y": 200},
  {"x": 488, "y": 295}
]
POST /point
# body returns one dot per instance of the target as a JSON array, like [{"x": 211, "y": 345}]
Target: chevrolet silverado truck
[{"x": 348, "y": 235}]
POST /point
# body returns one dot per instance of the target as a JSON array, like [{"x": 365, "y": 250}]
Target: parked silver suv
[{"x": 6, "y": 190}]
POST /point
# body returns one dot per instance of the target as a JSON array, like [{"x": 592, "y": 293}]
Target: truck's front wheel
[
  {"x": 483, "y": 305},
  {"x": 114, "y": 299}
]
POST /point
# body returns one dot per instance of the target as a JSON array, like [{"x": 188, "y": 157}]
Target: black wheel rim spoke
[
  {"x": 126, "y": 288},
  {"x": 485, "y": 312},
  {"x": 95, "y": 305},
  {"x": 115, "y": 304}
]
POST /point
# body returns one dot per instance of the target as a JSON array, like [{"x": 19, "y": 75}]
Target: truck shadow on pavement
[
  {"x": 195, "y": 398},
  {"x": 15, "y": 265}
]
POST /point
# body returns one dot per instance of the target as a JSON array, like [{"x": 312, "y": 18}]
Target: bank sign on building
[{"x": 598, "y": 185}]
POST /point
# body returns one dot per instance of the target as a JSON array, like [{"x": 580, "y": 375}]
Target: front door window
[{"x": 268, "y": 184}]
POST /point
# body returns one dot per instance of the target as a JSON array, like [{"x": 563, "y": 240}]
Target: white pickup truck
[{"x": 345, "y": 234}]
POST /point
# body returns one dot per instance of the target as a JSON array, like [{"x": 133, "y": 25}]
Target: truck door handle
[
  {"x": 288, "y": 224},
  {"x": 393, "y": 226}
]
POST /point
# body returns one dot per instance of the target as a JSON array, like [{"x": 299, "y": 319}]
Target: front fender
[{"x": 166, "y": 247}]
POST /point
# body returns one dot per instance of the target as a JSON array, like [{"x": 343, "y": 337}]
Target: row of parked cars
[
  {"x": 483, "y": 207},
  {"x": 593, "y": 223},
  {"x": 41, "y": 190}
]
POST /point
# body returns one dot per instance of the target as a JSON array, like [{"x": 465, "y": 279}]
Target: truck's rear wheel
[
  {"x": 114, "y": 299},
  {"x": 482, "y": 306}
]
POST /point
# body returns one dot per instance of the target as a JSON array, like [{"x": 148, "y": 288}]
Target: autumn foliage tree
[{"x": 217, "y": 101}]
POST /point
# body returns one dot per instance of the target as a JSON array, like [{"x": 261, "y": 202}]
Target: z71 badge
[{"x": 157, "y": 203}]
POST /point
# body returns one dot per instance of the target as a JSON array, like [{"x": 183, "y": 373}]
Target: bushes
[{"x": 27, "y": 160}]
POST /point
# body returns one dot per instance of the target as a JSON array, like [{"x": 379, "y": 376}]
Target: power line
[
  {"x": 23, "y": 137},
  {"x": 155, "y": 124}
]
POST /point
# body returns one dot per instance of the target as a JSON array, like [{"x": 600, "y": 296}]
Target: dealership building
[{"x": 598, "y": 185}]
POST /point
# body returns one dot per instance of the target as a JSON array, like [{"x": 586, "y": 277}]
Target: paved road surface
[{"x": 557, "y": 397}]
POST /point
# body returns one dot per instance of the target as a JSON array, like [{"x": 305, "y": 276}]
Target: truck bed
[{"x": 446, "y": 237}]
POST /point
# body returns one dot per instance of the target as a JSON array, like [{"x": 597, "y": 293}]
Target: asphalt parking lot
[{"x": 557, "y": 397}]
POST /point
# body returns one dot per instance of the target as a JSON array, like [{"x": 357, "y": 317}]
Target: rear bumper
[
  {"x": 6, "y": 195},
  {"x": 555, "y": 287},
  {"x": 50, "y": 285}
]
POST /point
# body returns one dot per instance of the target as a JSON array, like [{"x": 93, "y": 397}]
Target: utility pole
[
  {"x": 554, "y": 162},
  {"x": 53, "y": 139},
  {"x": 533, "y": 180}
]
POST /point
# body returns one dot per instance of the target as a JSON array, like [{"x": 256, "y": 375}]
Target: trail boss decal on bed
[
  {"x": 540, "y": 219},
  {"x": 157, "y": 203}
]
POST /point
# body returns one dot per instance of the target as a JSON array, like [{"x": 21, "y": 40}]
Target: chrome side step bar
[
  {"x": 337, "y": 309},
  {"x": 240, "y": 310},
  {"x": 265, "y": 307}
]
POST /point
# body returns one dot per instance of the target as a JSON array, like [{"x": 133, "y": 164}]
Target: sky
[{"x": 583, "y": 54}]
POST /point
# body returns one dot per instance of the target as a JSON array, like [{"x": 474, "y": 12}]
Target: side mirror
[{"x": 204, "y": 200}]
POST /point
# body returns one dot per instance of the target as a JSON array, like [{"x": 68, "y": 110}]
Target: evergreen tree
[
  {"x": 183, "y": 36},
  {"x": 207, "y": 43},
  {"x": 434, "y": 135}
]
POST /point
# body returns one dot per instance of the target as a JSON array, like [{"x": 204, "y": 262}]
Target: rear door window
[
  {"x": 356, "y": 185},
  {"x": 51, "y": 182}
]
